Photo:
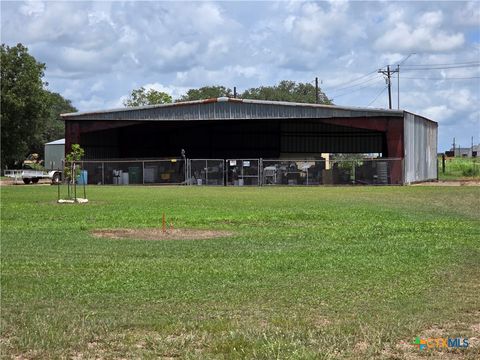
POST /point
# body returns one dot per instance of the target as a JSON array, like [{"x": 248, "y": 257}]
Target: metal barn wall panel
[{"x": 420, "y": 146}]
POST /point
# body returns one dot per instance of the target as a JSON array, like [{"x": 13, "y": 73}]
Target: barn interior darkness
[{"x": 230, "y": 139}]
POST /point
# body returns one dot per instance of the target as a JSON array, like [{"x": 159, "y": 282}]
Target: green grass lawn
[{"x": 327, "y": 272}]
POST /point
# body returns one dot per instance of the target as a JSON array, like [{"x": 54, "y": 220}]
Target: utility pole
[
  {"x": 388, "y": 74},
  {"x": 389, "y": 87},
  {"x": 317, "y": 98},
  {"x": 398, "y": 86},
  {"x": 235, "y": 92}
]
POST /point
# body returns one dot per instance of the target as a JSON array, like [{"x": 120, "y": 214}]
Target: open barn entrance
[{"x": 274, "y": 139}]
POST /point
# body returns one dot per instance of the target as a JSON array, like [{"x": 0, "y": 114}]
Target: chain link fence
[
  {"x": 134, "y": 172},
  {"x": 332, "y": 172},
  {"x": 206, "y": 172},
  {"x": 244, "y": 172}
]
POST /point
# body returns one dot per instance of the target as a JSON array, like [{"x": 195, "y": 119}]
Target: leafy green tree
[
  {"x": 206, "y": 92},
  {"x": 141, "y": 97},
  {"x": 23, "y": 102},
  {"x": 76, "y": 154},
  {"x": 287, "y": 90},
  {"x": 29, "y": 113}
]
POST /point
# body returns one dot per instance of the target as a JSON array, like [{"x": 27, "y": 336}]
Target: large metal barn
[{"x": 242, "y": 142}]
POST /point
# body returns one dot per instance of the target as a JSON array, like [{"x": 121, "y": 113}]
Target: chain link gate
[
  {"x": 243, "y": 172},
  {"x": 206, "y": 172}
]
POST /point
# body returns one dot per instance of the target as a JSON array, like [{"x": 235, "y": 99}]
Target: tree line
[{"x": 285, "y": 90}]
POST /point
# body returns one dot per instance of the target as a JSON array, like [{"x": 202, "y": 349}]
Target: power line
[
  {"x": 355, "y": 85},
  {"x": 429, "y": 67},
  {"x": 440, "y": 67},
  {"x": 339, "y": 86},
  {"x": 448, "y": 64},
  {"x": 350, "y": 92},
  {"x": 376, "y": 97},
  {"x": 440, "y": 78}
]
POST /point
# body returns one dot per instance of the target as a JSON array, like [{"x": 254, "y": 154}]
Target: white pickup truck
[{"x": 33, "y": 176}]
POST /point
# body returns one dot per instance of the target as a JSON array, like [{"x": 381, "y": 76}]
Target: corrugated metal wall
[
  {"x": 420, "y": 146},
  {"x": 230, "y": 111}
]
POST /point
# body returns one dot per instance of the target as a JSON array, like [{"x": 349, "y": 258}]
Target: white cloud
[
  {"x": 98, "y": 86},
  {"x": 32, "y": 8},
  {"x": 431, "y": 19},
  {"x": 174, "y": 91},
  {"x": 424, "y": 37},
  {"x": 312, "y": 24},
  {"x": 438, "y": 112},
  {"x": 468, "y": 15}
]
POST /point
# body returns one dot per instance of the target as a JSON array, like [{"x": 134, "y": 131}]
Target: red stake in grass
[{"x": 163, "y": 223}]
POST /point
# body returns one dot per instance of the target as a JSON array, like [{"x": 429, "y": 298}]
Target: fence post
[
  {"x": 243, "y": 180},
  {"x": 103, "y": 173},
  {"x": 184, "y": 170},
  {"x": 74, "y": 175},
  {"x": 259, "y": 172},
  {"x": 224, "y": 174},
  {"x": 206, "y": 172},
  {"x": 353, "y": 171}
]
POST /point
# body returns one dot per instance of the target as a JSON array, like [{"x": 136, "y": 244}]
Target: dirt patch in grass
[{"x": 158, "y": 234}]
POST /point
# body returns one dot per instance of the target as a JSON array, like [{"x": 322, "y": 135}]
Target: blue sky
[{"x": 97, "y": 52}]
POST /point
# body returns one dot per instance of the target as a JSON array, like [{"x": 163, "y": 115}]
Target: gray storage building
[{"x": 54, "y": 154}]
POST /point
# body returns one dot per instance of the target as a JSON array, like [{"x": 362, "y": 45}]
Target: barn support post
[{"x": 394, "y": 137}]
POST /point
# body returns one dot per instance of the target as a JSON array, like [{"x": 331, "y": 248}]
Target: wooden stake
[{"x": 163, "y": 223}]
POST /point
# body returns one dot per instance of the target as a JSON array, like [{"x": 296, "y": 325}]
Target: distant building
[{"x": 467, "y": 152}]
